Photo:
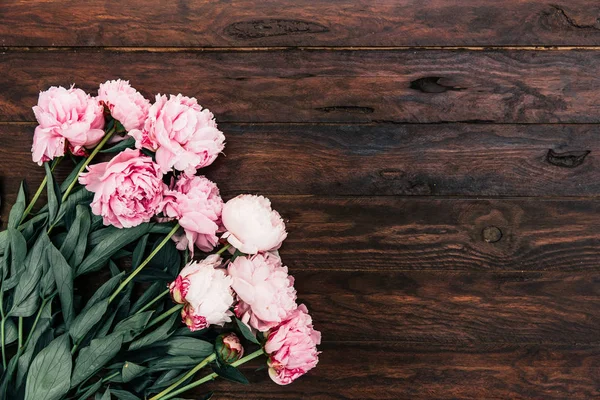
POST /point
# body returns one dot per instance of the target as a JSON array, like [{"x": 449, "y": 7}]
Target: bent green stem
[
  {"x": 165, "y": 315},
  {"x": 39, "y": 192},
  {"x": 37, "y": 319},
  {"x": 144, "y": 263},
  {"x": 210, "y": 377},
  {"x": 191, "y": 373},
  {"x": 88, "y": 161},
  {"x": 156, "y": 299},
  {"x": 222, "y": 250}
]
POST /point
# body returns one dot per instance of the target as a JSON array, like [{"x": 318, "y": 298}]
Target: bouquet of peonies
[{"x": 184, "y": 282}]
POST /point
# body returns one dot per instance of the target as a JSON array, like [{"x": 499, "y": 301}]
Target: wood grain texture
[
  {"x": 391, "y": 233},
  {"x": 438, "y": 173},
  {"x": 387, "y": 159},
  {"x": 453, "y": 307},
  {"x": 413, "y": 371},
  {"x": 298, "y": 23},
  {"x": 331, "y": 86}
]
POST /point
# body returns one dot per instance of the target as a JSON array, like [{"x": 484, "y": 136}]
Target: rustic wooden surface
[{"x": 437, "y": 162}]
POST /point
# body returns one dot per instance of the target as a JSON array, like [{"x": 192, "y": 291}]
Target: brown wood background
[{"x": 438, "y": 162}]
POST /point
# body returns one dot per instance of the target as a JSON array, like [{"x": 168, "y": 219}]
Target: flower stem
[
  {"x": 191, "y": 373},
  {"x": 37, "y": 318},
  {"x": 20, "y": 332},
  {"x": 157, "y": 298},
  {"x": 165, "y": 315},
  {"x": 144, "y": 263},
  {"x": 39, "y": 191},
  {"x": 88, "y": 161},
  {"x": 210, "y": 377},
  {"x": 222, "y": 250}
]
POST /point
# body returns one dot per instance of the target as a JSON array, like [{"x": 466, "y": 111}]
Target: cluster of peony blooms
[{"x": 155, "y": 177}]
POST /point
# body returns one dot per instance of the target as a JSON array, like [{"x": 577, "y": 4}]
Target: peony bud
[{"x": 229, "y": 348}]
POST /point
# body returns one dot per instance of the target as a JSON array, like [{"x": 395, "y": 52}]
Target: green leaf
[
  {"x": 17, "y": 210},
  {"x": 229, "y": 372},
  {"x": 130, "y": 326},
  {"x": 14, "y": 259},
  {"x": 87, "y": 320},
  {"x": 160, "y": 333},
  {"x": 106, "y": 395},
  {"x": 53, "y": 194},
  {"x": 50, "y": 373},
  {"x": 168, "y": 257},
  {"x": 149, "y": 274},
  {"x": 123, "y": 395},
  {"x": 187, "y": 346},
  {"x": 92, "y": 390},
  {"x": 80, "y": 196},
  {"x": 114, "y": 241},
  {"x": 25, "y": 359},
  {"x": 79, "y": 229},
  {"x": 148, "y": 295},
  {"x": 26, "y": 294},
  {"x": 163, "y": 228},
  {"x": 166, "y": 379},
  {"x": 127, "y": 143},
  {"x": 173, "y": 362},
  {"x": 10, "y": 331},
  {"x": 138, "y": 252},
  {"x": 95, "y": 356},
  {"x": 63, "y": 276},
  {"x": 131, "y": 371},
  {"x": 73, "y": 175},
  {"x": 246, "y": 332},
  {"x": 105, "y": 290}
]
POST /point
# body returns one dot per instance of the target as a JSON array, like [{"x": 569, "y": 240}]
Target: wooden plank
[
  {"x": 441, "y": 234},
  {"x": 389, "y": 159},
  {"x": 299, "y": 23},
  {"x": 451, "y": 307},
  {"x": 386, "y": 159},
  {"x": 424, "y": 372},
  {"x": 331, "y": 86}
]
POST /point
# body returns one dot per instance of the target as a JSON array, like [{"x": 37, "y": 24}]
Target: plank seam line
[
  {"x": 168, "y": 49},
  {"x": 400, "y": 342},
  {"x": 373, "y": 123}
]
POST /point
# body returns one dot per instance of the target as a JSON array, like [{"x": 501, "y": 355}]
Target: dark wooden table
[{"x": 437, "y": 161}]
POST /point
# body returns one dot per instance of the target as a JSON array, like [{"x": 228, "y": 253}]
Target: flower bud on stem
[{"x": 207, "y": 378}]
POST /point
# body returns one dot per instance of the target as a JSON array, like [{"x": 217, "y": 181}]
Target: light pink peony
[
  {"x": 205, "y": 291},
  {"x": 251, "y": 225},
  {"x": 292, "y": 347},
  {"x": 195, "y": 202},
  {"x": 126, "y": 104},
  {"x": 265, "y": 290},
  {"x": 128, "y": 189},
  {"x": 183, "y": 135},
  {"x": 68, "y": 119}
]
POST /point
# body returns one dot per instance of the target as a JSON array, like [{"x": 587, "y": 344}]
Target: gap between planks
[{"x": 166, "y": 49}]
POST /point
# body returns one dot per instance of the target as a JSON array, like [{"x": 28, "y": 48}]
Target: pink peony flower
[
  {"x": 251, "y": 225},
  {"x": 128, "y": 189},
  {"x": 183, "y": 135},
  {"x": 205, "y": 291},
  {"x": 292, "y": 347},
  {"x": 265, "y": 290},
  {"x": 195, "y": 202},
  {"x": 67, "y": 118},
  {"x": 126, "y": 104}
]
